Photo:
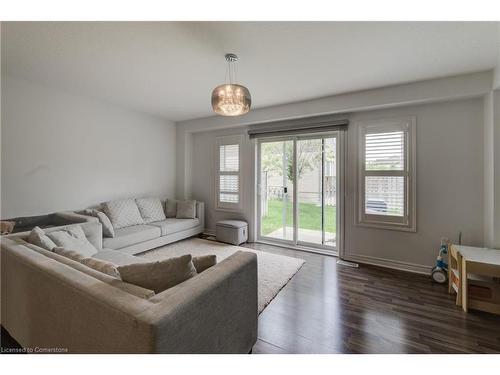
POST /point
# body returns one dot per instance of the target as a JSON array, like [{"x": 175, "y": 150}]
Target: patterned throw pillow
[
  {"x": 73, "y": 238},
  {"x": 151, "y": 209},
  {"x": 38, "y": 237},
  {"x": 107, "y": 227},
  {"x": 123, "y": 213}
]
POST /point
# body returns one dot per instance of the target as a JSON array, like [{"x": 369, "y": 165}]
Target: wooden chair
[{"x": 455, "y": 273}]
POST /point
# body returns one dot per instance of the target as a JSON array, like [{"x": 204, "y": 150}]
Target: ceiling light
[{"x": 231, "y": 99}]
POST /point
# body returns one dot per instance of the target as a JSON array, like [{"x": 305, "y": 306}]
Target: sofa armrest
[
  {"x": 214, "y": 312},
  {"x": 73, "y": 217},
  {"x": 200, "y": 213}
]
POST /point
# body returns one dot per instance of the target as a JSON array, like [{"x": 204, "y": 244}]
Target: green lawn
[{"x": 309, "y": 217}]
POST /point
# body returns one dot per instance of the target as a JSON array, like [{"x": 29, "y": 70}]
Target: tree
[{"x": 308, "y": 157}]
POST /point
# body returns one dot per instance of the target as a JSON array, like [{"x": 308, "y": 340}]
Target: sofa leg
[{"x": 250, "y": 352}]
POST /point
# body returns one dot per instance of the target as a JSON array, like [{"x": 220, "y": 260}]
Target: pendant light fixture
[{"x": 231, "y": 99}]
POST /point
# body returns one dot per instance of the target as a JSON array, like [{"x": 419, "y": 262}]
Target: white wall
[
  {"x": 449, "y": 183},
  {"x": 61, "y": 151}
]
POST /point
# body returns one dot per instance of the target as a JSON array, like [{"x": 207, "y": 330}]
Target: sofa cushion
[
  {"x": 204, "y": 262},
  {"x": 131, "y": 235},
  {"x": 123, "y": 213},
  {"x": 159, "y": 275},
  {"x": 73, "y": 238},
  {"x": 102, "y": 266},
  {"x": 118, "y": 258},
  {"x": 186, "y": 210},
  {"x": 171, "y": 226},
  {"x": 38, "y": 237},
  {"x": 107, "y": 227},
  {"x": 171, "y": 208},
  {"x": 151, "y": 209},
  {"x": 68, "y": 253},
  {"x": 117, "y": 283}
]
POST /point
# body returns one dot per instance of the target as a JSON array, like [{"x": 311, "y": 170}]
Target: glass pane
[
  {"x": 229, "y": 158},
  {"x": 384, "y": 195},
  {"x": 330, "y": 189},
  {"x": 276, "y": 189},
  {"x": 309, "y": 190},
  {"x": 228, "y": 198},
  {"x": 384, "y": 151},
  {"x": 228, "y": 183}
]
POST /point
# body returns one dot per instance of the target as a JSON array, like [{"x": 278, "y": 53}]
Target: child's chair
[{"x": 455, "y": 273}]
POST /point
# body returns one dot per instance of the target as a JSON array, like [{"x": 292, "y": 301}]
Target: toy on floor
[{"x": 440, "y": 272}]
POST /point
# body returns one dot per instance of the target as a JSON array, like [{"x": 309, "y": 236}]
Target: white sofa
[
  {"x": 49, "y": 301},
  {"x": 139, "y": 238}
]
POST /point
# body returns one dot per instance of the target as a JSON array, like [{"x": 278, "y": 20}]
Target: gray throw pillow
[
  {"x": 123, "y": 213},
  {"x": 97, "y": 264},
  {"x": 70, "y": 254},
  {"x": 159, "y": 275},
  {"x": 107, "y": 227},
  {"x": 203, "y": 262},
  {"x": 151, "y": 209},
  {"x": 73, "y": 238},
  {"x": 38, "y": 237},
  {"x": 186, "y": 210},
  {"x": 102, "y": 266},
  {"x": 171, "y": 208}
]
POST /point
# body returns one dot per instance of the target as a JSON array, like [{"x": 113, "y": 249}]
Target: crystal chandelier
[{"x": 231, "y": 99}]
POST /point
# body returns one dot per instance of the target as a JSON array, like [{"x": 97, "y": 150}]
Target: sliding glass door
[{"x": 298, "y": 186}]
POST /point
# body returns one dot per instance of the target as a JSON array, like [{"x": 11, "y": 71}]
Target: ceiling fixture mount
[{"x": 231, "y": 99}]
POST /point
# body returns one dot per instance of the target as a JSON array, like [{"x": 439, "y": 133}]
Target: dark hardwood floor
[{"x": 327, "y": 308}]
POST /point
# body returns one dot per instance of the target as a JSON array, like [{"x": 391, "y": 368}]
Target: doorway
[{"x": 298, "y": 189}]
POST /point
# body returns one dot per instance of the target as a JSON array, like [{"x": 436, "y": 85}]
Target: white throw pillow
[
  {"x": 171, "y": 208},
  {"x": 151, "y": 209},
  {"x": 107, "y": 227},
  {"x": 73, "y": 238},
  {"x": 186, "y": 210},
  {"x": 123, "y": 213},
  {"x": 38, "y": 237}
]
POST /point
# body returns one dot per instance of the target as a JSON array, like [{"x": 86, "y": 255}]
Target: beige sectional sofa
[
  {"x": 139, "y": 238},
  {"x": 49, "y": 301}
]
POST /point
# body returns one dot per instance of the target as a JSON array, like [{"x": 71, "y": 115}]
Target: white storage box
[{"x": 231, "y": 231}]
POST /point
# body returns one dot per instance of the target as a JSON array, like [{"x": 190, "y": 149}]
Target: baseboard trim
[
  {"x": 209, "y": 232},
  {"x": 387, "y": 263}
]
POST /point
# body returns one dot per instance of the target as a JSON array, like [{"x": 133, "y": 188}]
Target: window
[
  {"x": 386, "y": 183},
  {"x": 228, "y": 177}
]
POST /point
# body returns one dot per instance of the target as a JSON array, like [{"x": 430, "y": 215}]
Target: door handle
[{"x": 285, "y": 189}]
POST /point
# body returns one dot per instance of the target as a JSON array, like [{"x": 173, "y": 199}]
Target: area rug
[{"x": 274, "y": 271}]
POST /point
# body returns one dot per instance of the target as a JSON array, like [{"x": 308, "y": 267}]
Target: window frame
[
  {"x": 408, "y": 221},
  {"x": 224, "y": 141}
]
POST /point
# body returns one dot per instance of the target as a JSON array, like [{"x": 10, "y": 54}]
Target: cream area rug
[{"x": 274, "y": 271}]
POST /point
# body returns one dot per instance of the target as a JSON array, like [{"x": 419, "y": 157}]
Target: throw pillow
[
  {"x": 151, "y": 209},
  {"x": 123, "y": 213},
  {"x": 107, "y": 227},
  {"x": 70, "y": 254},
  {"x": 73, "y": 238},
  {"x": 171, "y": 208},
  {"x": 203, "y": 262},
  {"x": 186, "y": 210},
  {"x": 159, "y": 275},
  {"x": 38, "y": 237},
  {"x": 102, "y": 266}
]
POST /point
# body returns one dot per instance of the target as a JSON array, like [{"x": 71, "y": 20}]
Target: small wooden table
[{"x": 483, "y": 262}]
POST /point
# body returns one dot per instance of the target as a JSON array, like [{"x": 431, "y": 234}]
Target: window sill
[
  {"x": 235, "y": 210},
  {"x": 399, "y": 228}
]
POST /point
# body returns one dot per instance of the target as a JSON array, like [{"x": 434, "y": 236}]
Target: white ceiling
[{"x": 170, "y": 68}]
